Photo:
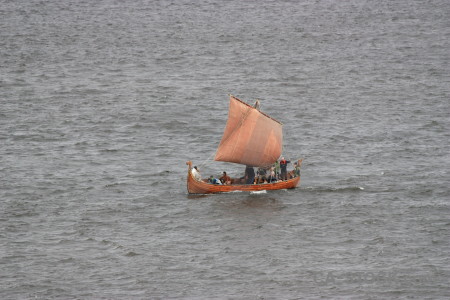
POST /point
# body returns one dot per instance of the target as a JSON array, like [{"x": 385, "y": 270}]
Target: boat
[{"x": 251, "y": 138}]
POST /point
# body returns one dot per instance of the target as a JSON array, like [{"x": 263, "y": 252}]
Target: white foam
[{"x": 259, "y": 192}]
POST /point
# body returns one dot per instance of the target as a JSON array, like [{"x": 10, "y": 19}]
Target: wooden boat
[{"x": 251, "y": 138}]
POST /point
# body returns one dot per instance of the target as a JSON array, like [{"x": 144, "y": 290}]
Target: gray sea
[{"x": 103, "y": 102}]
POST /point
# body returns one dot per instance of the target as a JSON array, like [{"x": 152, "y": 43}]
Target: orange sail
[{"x": 251, "y": 137}]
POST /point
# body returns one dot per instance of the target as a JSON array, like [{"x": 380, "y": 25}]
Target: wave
[{"x": 334, "y": 189}]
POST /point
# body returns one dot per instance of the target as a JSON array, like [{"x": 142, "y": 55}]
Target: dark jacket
[{"x": 250, "y": 174}]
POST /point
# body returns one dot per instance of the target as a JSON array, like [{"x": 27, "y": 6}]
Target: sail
[{"x": 250, "y": 137}]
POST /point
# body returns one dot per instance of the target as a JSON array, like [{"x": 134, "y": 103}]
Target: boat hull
[{"x": 200, "y": 187}]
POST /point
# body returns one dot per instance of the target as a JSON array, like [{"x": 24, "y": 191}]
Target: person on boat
[
  {"x": 296, "y": 169},
  {"x": 214, "y": 180},
  {"x": 261, "y": 178},
  {"x": 249, "y": 175},
  {"x": 272, "y": 175},
  {"x": 225, "y": 179},
  {"x": 283, "y": 168},
  {"x": 277, "y": 169},
  {"x": 196, "y": 173}
]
